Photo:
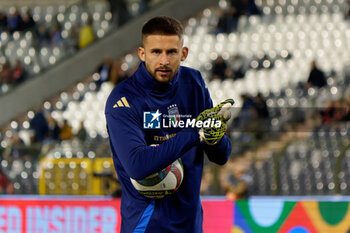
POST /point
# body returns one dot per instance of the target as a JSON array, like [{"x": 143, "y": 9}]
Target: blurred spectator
[
  {"x": 82, "y": 134},
  {"x": 73, "y": 39},
  {"x": 15, "y": 21},
  {"x": 261, "y": 107},
  {"x": 15, "y": 139},
  {"x": 6, "y": 186},
  {"x": 247, "y": 102},
  {"x": 14, "y": 74},
  {"x": 5, "y": 73},
  {"x": 246, "y": 115},
  {"x": 117, "y": 73},
  {"x": 219, "y": 68},
  {"x": 236, "y": 10},
  {"x": 54, "y": 129},
  {"x": 223, "y": 25},
  {"x": 237, "y": 187},
  {"x": 14, "y": 146},
  {"x": 42, "y": 36},
  {"x": 40, "y": 127},
  {"x": 250, "y": 8},
  {"x": 114, "y": 72},
  {"x": 3, "y": 22},
  {"x": 55, "y": 34},
  {"x": 18, "y": 72},
  {"x": 247, "y": 111},
  {"x": 229, "y": 74},
  {"x": 263, "y": 117},
  {"x": 228, "y": 19},
  {"x": 66, "y": 131},
  {"x": 316, "y": 77},
  {"x": 347, "y": 11},
  {"x": 122, "y": 75},
  {"x": 238, "y": 65},
  {"x": 144, "y": 6},
  {"x": 28, "y": 21},
  {"x": 233, "y": 179},
  {"x": 86, "y": 34},
  {"x": 347, "y": 104},
  {"x": 335, "y": 111},
  {"x": 120, "y": 11},
  {"x": 104, "y": 70}
]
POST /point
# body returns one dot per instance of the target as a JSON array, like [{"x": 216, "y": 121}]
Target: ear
[
  {"x": 141, "y": 53},
  {"x": 184, "y": 53}
]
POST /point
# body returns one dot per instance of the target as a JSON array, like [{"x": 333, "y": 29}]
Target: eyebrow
[
  {"x": 168, "y": 50},
  {"x": 172, "y": 50}
]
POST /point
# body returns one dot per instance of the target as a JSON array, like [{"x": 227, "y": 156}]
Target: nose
[{"x": 164, "y": 60}]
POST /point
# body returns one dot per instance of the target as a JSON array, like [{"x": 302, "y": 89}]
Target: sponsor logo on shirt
[
  {"x": 157, "y": 120},
  {"x": 121, "y": 103},
  {"x": 151, "y": 120}
]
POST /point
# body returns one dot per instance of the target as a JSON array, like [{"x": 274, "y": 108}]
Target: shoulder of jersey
[
  {"x": 190, "y": 75},
  {"x": 121, "y": 97}
]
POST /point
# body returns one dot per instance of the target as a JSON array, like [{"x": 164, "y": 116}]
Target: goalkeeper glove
[{"x": 221, "y": 112}]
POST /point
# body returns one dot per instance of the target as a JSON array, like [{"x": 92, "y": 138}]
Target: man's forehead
[{"x": 162, "y": 39}]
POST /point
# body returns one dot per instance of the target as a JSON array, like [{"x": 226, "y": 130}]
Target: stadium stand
[{"x": 53, "y": 35}]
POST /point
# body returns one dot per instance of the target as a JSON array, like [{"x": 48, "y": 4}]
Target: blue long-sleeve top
[{"x": 187, "y": 96}]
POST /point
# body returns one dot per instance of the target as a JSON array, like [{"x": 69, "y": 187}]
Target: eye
[
  {"x": 156, "y": 52},
  {"x": 172, "y": 52}
]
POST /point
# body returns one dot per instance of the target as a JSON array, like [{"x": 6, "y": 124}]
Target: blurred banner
[
  {"x": 311, "y": 214},
  {"x": 39, "y": 214},
  {"x": 36, "y": 214},
  {"x": 43, "y": 214}
]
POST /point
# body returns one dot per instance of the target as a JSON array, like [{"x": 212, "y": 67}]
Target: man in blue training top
[{"x": 161, "y": 87}]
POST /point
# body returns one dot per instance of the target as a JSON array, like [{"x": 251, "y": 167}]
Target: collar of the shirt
[{"x": 149, "y": 84}]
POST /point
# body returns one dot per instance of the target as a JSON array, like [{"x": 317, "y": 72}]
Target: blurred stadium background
[{"x": 289, "y": 169}]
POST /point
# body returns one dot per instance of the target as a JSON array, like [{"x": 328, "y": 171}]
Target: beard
[{"x": 163, "y": 74}]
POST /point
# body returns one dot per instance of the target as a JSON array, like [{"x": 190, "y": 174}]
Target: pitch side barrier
[{"x": 26, "y": 213}]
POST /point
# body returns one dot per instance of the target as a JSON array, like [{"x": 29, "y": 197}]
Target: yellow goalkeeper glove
[{"x": 221, "y": 112}]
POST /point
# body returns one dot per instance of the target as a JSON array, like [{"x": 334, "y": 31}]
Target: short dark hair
[{"x": 162, "y": 25}]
